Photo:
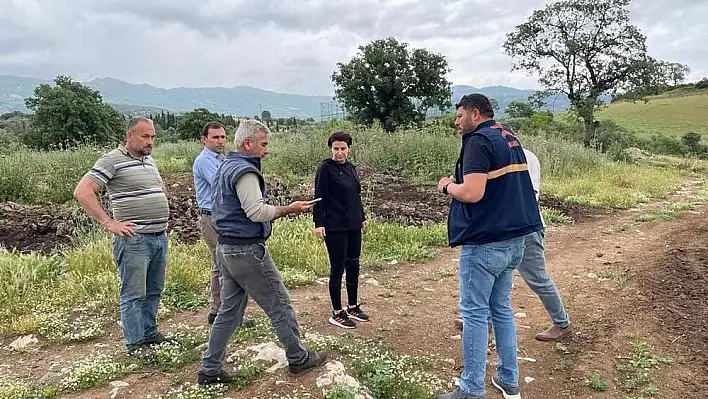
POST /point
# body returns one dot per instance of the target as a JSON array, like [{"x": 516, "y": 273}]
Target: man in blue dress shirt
[{"x": 205, "y": 165}]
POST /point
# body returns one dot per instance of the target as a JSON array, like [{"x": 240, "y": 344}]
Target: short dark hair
[
  {"x": 212, "y": 125},
  {"x": 339, "y": 135},
  {"x": 479, "y": 101}
]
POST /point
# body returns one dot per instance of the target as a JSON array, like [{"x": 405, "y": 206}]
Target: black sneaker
[
  {"x": 211, "y": 318},
  {"x": 224, "y": 378},
  {"x": 507, "y": 391},
  {"x": 342, "y": 319},
  {"x": 356, "y": 314},
  {"x": 314, "y": 359},
  {"x": 156, "y": 339}
]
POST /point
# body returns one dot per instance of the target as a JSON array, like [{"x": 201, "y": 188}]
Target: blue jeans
[
  {"x": 533, "y": 270},
  {"x": 486, "y": 276},
  {"x": 141, "y": 261}
]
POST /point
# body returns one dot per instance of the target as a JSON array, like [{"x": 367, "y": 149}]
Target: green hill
[{"x": 673, "y": 113}]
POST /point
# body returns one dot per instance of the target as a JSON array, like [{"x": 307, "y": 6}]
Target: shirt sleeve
[
  {"x": 248, "y": 191},
  {"x": 102, "y": 171},
  {"x": 535, "y": 171},
  {"x": 477, "y": 156},
  {"x": 321, "y": 191}
]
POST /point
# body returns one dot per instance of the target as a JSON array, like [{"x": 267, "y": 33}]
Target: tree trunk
[{"x": 590, "y": 131}]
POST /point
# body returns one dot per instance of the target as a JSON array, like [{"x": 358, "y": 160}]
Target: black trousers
[{"x": 344, "y": 249}]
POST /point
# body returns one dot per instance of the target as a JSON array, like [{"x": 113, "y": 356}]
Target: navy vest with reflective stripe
[{"x": 508, "y": 208}]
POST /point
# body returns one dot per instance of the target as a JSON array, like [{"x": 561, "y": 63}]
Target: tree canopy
[
  {"x": 190, "y": 124},
  {"x": 583, "y": 48},
  {"x": 70, "y": 113},
  {"x": 388, "y": 83}
]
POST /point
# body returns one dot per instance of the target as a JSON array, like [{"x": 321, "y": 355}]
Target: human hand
[
  {"x": 320, "y": 232},
  {"x": 120, "y": 228},
  {"x": 363, "y": 225},
  {"x": 300, "y": 206},
  {"x": 444, "y": 181}
]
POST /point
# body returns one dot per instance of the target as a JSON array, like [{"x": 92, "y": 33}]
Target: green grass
[
  {"x": 637, "y": 372},
  {"x": 671, "y": 116},
  {"x": 668, "y": 212},
  {"x": 569, "y": 171},
  {"x": 385, "y": 374},
  {"x": 614, "y": 185},
  {"x": 554, "y": 216},
  {"x": 595, "y": 382},
  {"x": 86, "y": 276}
]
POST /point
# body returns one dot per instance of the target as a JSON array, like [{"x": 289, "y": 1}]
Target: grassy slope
[{"x": 674, "y": 113}]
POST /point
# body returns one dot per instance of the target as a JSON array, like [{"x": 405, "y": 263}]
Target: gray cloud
[{"x": 291, "y": 46}]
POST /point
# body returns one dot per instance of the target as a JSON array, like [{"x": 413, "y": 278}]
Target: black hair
[
  {"x": 479, "y": 101},
  {"x": 211, "y": 125},
  {"x": 339, "y": 135}
]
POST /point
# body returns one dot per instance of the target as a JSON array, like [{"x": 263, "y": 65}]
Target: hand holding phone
[{"x": 314, "y": 200}]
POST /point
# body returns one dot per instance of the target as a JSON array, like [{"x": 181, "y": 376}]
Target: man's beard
[{"x": 145, "y": 151}]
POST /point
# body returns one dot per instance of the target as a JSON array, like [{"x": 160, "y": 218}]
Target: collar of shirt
[
  {"x": 121, "y": 148},
  {"x": 213, "y": 154}
]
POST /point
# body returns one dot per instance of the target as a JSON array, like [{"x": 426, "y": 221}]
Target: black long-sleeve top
[{"x": 341, "y": 208}]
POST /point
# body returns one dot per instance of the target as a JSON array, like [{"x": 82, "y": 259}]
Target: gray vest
[{"x": 227, "y": 214}]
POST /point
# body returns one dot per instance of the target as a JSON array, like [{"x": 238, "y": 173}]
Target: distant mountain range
[{"x": 238, "y": 101}]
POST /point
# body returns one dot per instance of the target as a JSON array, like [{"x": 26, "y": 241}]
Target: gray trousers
[
  {"x": 533, "y": 271},
  {"x": 212, "y": 239},
  {"x": 248, "y": 270}
]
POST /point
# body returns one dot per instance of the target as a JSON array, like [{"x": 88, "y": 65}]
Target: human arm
[
  {"x": 249, "y": 194},
  {"x": 321, "y": 191},
  {"x": 86, "y": 192},
  {"x": 476, "y": 162}
]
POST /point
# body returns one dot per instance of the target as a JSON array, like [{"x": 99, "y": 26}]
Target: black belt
[
  {"x": 159, "y": 233},
  {"x": 204, "y": 212},
  {"x": 240, "y": 241}
]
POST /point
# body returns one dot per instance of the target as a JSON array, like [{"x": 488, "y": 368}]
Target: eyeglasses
[{"x": 467, "y": 102}]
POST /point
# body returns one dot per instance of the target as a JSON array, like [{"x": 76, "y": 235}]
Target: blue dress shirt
[{"x": 203, "y": 170}]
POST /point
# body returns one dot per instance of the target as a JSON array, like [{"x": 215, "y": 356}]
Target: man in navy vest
[
  {"x": 243, "y": 220},
  {"x": 493, "y": 207}
]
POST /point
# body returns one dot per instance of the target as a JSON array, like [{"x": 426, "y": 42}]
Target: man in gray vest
[
  {"x": 140, "y": 215},
  {"x": 243, "y": 219}
]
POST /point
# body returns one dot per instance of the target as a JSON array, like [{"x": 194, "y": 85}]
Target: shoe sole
[
  {"x": 334, "y": 322},
  {"x": 506, "y": 395},
  {"x": 207, "y": 383},
  {"x": 544, "y": 339}
]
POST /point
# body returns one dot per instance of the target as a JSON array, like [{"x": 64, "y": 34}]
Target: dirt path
[{"x": 622, "y": 281}]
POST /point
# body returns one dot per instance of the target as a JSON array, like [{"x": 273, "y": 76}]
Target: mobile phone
[{"x": 314, "y": 200}]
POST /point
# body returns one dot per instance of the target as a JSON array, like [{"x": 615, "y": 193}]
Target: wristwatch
[{"x": 445, "y": 188}]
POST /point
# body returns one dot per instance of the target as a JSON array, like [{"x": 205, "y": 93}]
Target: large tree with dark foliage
[
  {"x": 69, "y": 114},
  {"x": 386, "y": 82}
]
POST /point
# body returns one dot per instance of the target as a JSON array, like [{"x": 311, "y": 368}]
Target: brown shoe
[{"x": 554, "y": 333}]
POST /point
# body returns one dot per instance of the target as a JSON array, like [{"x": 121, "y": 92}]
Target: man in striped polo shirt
[{"x": 140, "y": 215}]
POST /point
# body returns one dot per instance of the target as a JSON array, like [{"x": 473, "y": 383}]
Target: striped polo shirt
[{"x": 134, "y": 188}]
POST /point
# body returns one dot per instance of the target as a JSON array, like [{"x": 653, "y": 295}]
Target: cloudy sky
[{"x": 292, "y": 45}]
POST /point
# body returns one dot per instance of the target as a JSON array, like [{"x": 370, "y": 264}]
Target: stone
[{"x": 23, "y": 342}]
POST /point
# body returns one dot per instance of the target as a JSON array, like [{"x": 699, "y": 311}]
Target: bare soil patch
[{"x": 47, "y": 228}]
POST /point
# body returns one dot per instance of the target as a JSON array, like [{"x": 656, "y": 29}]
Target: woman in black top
[{"x": 339, "y": 218}]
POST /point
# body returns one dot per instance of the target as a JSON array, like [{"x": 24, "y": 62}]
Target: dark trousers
[{"x": 344, "y": 249}]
